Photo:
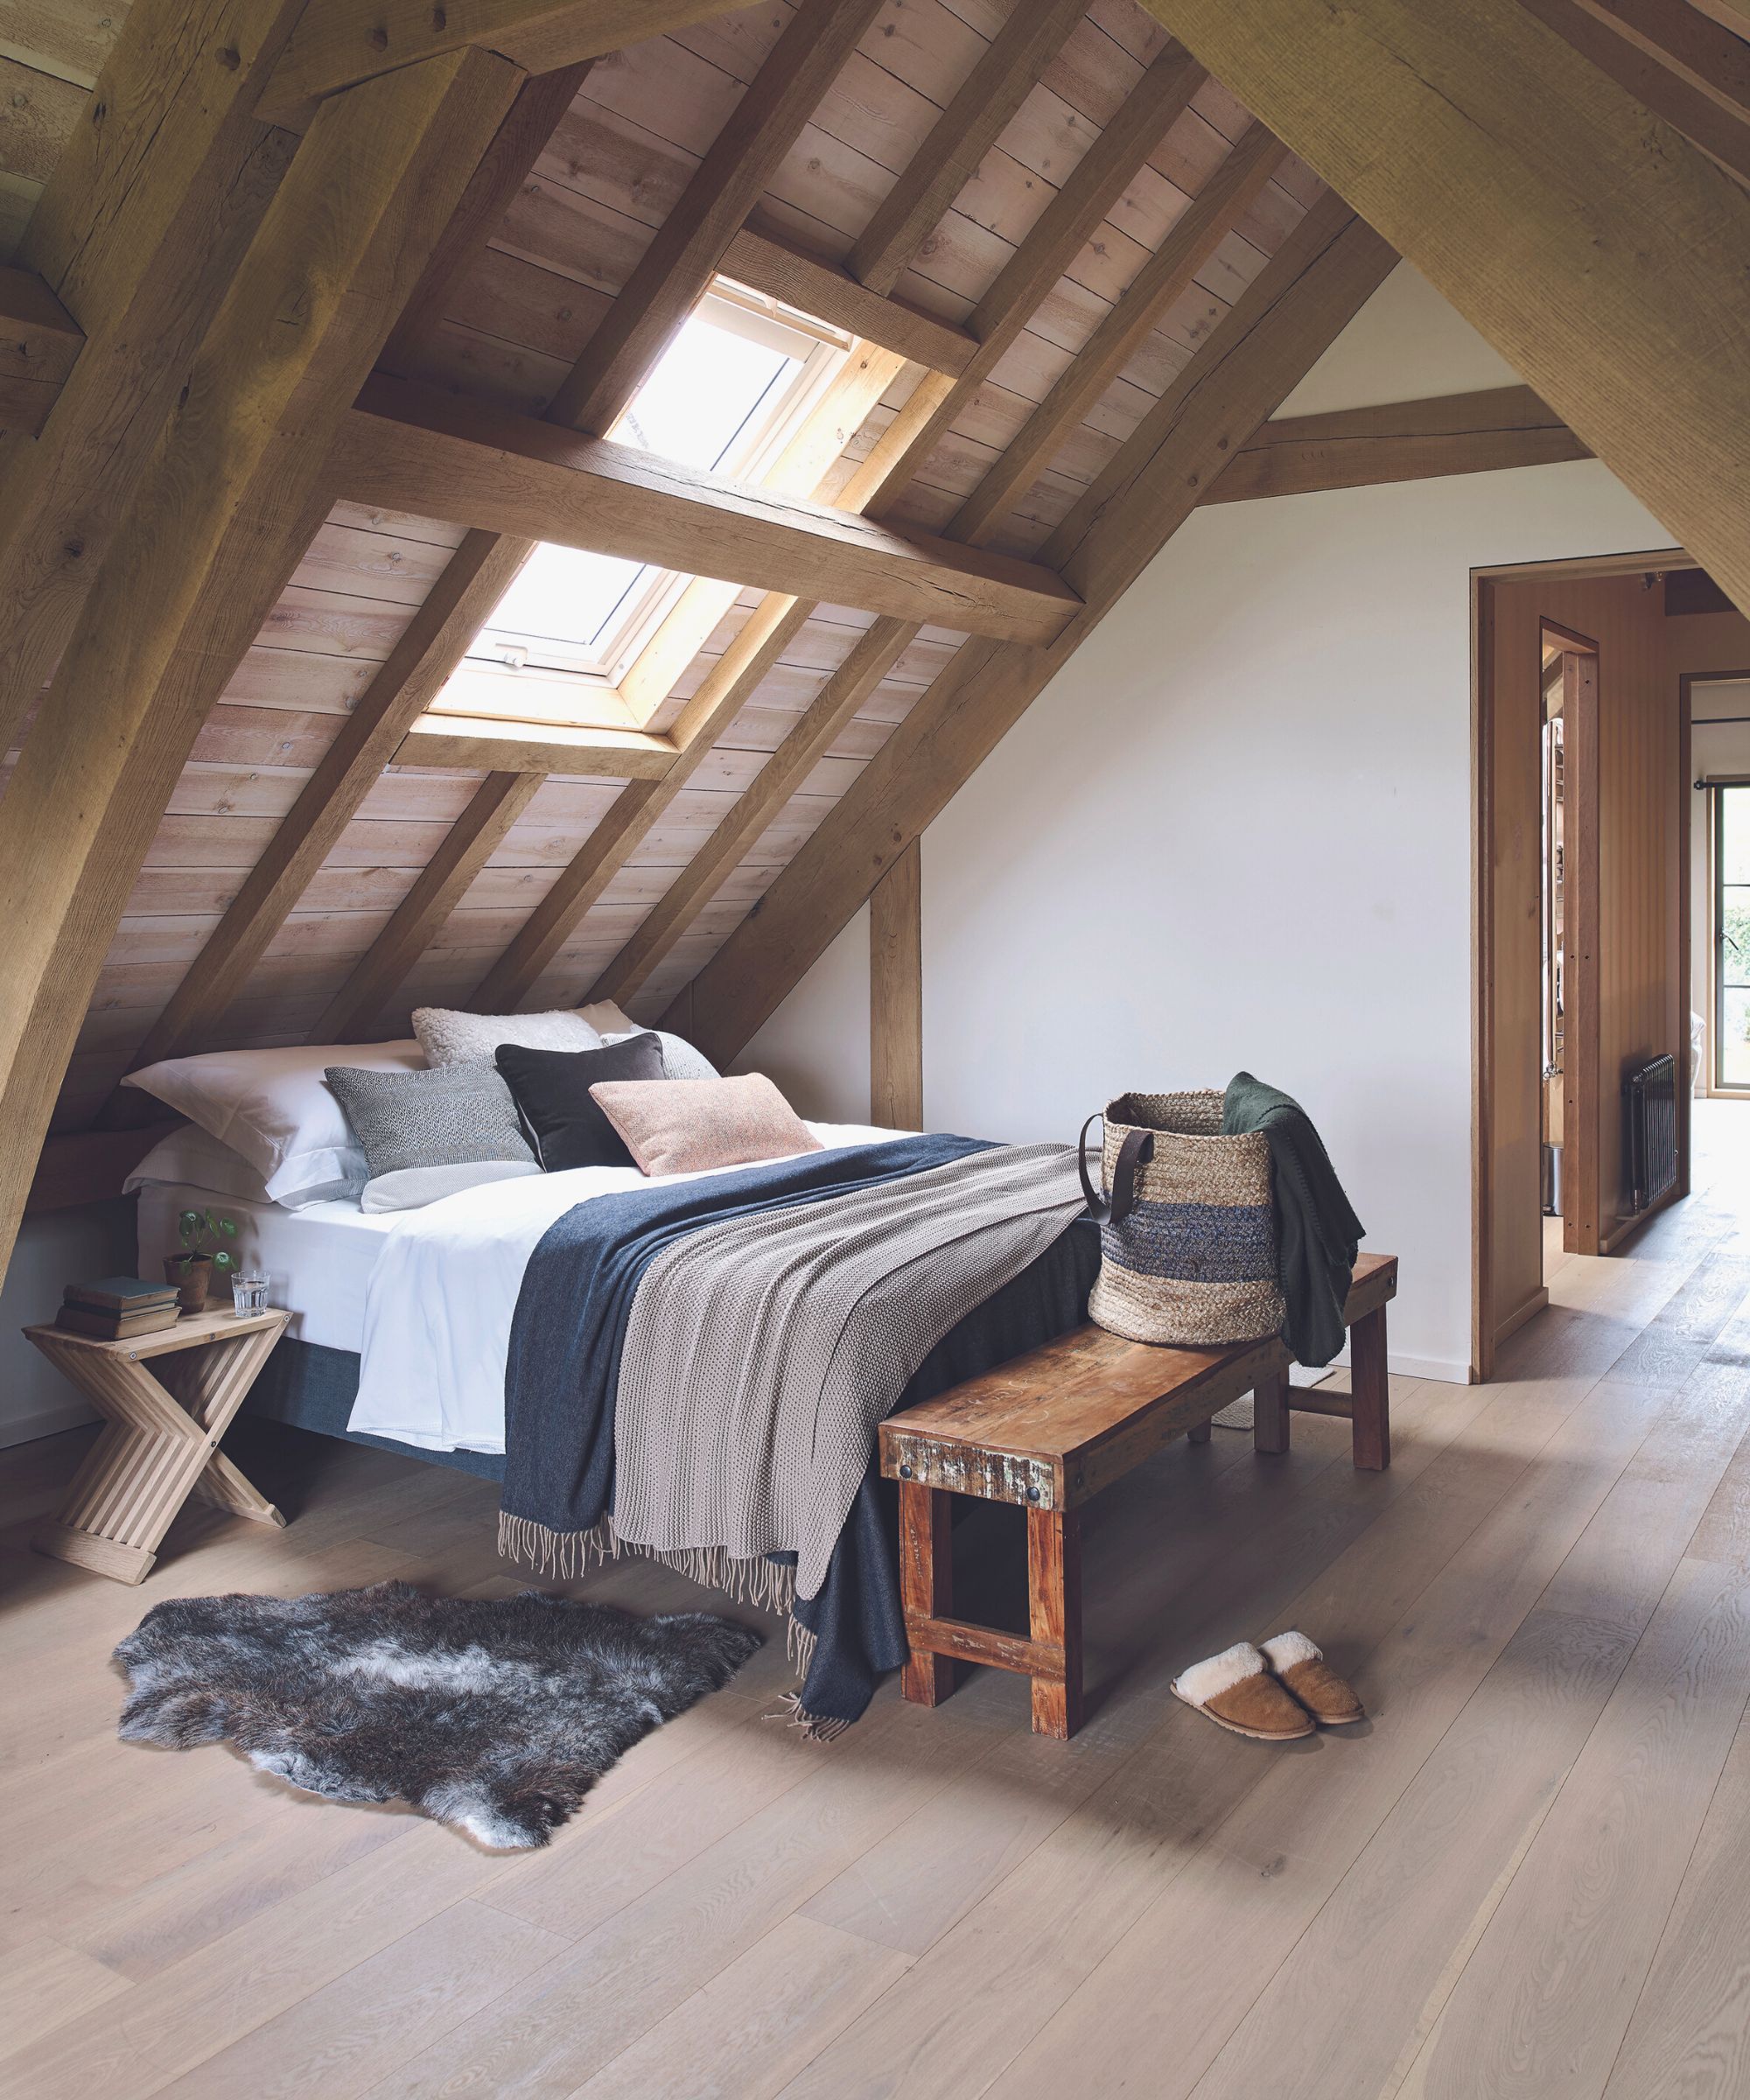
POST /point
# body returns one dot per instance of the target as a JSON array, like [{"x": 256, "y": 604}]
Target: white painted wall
[
  {"x": 55, "y": 1247},
  {"x": 1235, "y": 831}
]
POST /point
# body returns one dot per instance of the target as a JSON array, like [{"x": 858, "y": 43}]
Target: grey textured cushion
[
  {"x": 413, "y": 1187},
  {"x": 454, "y": 1116},
  {"x": 450, "y": 1037},
  {"x": 680, "y": 1059}
]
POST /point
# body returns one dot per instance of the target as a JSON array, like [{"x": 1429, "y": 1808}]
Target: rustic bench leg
[
  {"x": 926, "y": 1584},
  {"x": 1269, "y": 1414},
  {"x": 1369, "y": 1395},
  {"x": 1200, "y": 1432},
  {"x": 1055, "y": 1616}
]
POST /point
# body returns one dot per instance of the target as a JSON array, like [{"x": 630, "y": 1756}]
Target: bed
[{"x": 492, "y": 1330}]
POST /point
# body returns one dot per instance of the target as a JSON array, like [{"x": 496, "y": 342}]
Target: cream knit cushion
[
  {"x": 450, "y": 1037},
  {"x": 693, "y": 1126}
]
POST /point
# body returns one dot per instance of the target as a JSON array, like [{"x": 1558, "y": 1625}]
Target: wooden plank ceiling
[{"x": 1045, "y": 210}]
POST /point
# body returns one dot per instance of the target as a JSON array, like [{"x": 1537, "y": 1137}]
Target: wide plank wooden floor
[{"x": 1528, "y": 1874}]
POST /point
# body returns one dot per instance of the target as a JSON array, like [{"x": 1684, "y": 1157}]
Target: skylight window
[{"x": 727, "y": 394}]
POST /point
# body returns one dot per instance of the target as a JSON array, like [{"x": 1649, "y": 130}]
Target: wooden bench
[{"x": 1048, "y": 1431}]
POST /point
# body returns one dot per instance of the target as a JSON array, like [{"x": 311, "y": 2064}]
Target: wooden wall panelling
[
  {"x": 896, "y": 995},
  {"x": 1314, "y": 285},
  {"x": 138, "y": 233},
  {"x": 1481, "y": 145},
  {"x": 939, "y": 169},
  {"x": 838, "y": 700},
  {"x": 1163, "y": 279},
  {"x": 363, "y": 1000},
  {"x": 218, "y": 522},
  {"x": 1409, "y": 441}
]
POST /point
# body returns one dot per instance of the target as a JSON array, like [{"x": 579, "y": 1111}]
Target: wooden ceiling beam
[
  {"x": 419, "y": 448},
  {"x": 1487, "y": 150},
  {"x": 1092, "y": 188},
  {"x": 831, "y": 294},
  {"x": 1205, "y": 223},
  {"x": 820, "y": 724},
  {"x": 138, "y": 235},
  {"x": 1409, "y": 441},
  {"x": 338, "y": 43},
  {"x": 465, "y": 744},
  {"x": 358, "y": 1008},
  {"x": 1722, "y": 132},
  {"x": 1000, "y": 81},
  {"x": 1313, "y": 285},
  {"x": 688, "y": 248},
  {"x": 1698, "y": 51},
  {"x": 39, "y": 341},
  {"x": 207, "y": 541}
]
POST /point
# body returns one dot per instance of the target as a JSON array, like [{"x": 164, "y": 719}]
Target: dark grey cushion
[
  {"x": 552, "y": 1090},
  {"x": 449, "y": 1116}
]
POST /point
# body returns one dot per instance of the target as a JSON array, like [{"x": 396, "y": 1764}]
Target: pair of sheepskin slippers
[{"x": 1274, "y": 1693}]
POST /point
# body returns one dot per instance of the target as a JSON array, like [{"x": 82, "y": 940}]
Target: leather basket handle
[{"x": 1136, "y": 1151}]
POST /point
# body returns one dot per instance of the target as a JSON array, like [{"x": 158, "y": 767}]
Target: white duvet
[{"x": 441, "y": 1297}]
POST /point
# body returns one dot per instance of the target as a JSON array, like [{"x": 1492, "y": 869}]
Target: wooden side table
[{"x": 166, "y": 1400}]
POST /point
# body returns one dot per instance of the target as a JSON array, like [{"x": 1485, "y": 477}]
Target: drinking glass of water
[{"x": 249, "y": 1292}]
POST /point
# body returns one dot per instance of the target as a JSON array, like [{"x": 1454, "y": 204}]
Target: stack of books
[{"x": 117, "y": 1308}]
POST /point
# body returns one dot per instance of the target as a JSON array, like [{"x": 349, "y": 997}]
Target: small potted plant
[{"x": 200, "y": 1232}]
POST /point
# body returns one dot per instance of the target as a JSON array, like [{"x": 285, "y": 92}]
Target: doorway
[
  {"x": 1581, "y": 970},
  {"x": 1729, "y": 934}
]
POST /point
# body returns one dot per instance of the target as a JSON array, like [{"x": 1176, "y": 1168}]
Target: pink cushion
[{"x": 691, "y": 1126}]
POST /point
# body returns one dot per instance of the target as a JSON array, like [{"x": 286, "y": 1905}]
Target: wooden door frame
[
  {"x": 1581, "y": 1103},
  {"x": 1484, "y": 728},
  {"x": 1687, "y": 680}
]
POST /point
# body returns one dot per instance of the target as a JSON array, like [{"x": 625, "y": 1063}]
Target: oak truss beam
[
  {"x": 40, "y": 340},
  {"x": 1093, "y": 189},
  {"x": 136, "y": 236},
  {"x": 219, "y": 519},
  {"x": 339, "y": 43},
  {"x": 419, "y": 448},
  {"x": 1313, "y": 285},
  {"x": 1721, "y": 130},
  {"x": 1409, "y": 441},
  {"x": 1485, "y": 148}
]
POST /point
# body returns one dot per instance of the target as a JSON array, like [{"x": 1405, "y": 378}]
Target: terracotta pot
[{"x": 191, "y": 1274}]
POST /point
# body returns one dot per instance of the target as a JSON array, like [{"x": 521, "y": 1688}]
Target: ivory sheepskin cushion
[
  {"x": 693, "y": 1126},
  {"x": 448, "y": 1036}
]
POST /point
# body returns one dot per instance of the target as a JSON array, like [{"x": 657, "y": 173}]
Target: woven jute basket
[{"x": 1188, "y": 1240}]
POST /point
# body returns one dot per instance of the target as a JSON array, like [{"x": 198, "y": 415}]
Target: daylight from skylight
[{"x": 723, "y": 395}]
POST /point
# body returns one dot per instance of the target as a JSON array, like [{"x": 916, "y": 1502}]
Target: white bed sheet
[
  {"x": 440, "y": 1297},
  {"x": 319, "y": 1260}
]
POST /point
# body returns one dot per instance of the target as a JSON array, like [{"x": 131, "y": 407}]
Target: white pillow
[
  {"x": 450, "y": 1037},
  {"x": 607, "y": 1018},
  {"x": 191, "y": 1159},
  {"x": 274, "y": 1107}
]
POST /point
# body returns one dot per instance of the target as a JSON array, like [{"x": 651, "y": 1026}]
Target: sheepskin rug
[{"x": 495, "y": 1716}]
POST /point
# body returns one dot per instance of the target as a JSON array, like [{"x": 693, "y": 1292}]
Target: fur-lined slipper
[
  {"x": 1237, "y": 1691},
  {"x": 1330, "y": 1700}
]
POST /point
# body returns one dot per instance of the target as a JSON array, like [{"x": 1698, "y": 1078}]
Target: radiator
[{"x": 1652, "y": 1096}]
